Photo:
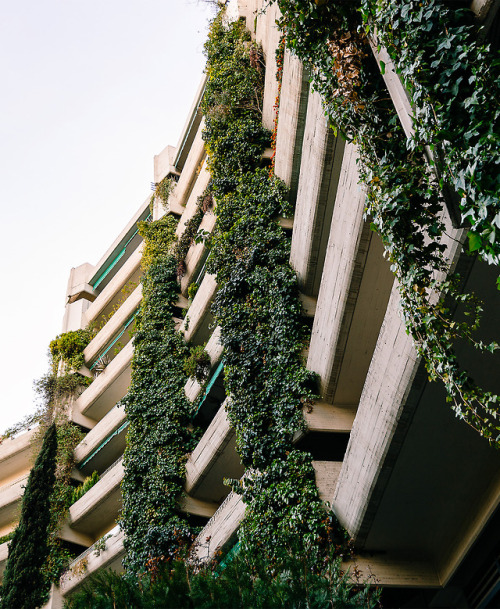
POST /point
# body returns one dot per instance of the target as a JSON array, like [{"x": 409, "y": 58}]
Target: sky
[{"x": 90, "y": 91}]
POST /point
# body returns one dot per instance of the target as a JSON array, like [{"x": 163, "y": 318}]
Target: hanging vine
[
  {"x": 405, "y": 199},
  {"x": 159, "y": 436},
  {"x": 257, "y": 307}
]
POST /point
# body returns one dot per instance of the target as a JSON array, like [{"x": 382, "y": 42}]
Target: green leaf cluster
[
  {"x": 257, "y": 307},
  {"x": 445, "y": 71},
  {"x": 159, "y": 436}
]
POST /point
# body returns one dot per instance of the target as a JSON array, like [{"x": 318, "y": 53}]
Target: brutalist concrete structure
[{"x": 416, "y": 488}]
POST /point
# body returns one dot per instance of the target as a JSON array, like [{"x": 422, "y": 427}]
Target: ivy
[
  {"x": 159, "y": 436},
  {"x": 258, "y": 310},
  {"x": 404, "y": 196}
]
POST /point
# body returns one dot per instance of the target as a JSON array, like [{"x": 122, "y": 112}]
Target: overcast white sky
[{"x": 90, "y": 91}]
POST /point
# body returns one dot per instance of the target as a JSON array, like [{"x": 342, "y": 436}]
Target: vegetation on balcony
[
  {"x": 81, "y": 489},
  {"x": 239, "y": 585},
  {"x": 453, "y": 84},
  {"x": 257, "y": 307},
  {"x": 159, "y": 436}
]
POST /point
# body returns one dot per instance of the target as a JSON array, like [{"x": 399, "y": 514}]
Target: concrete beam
[
  {"x": 108, "y": 388},
  {"x": 291, "y": 122},
  {"x": 4, "y": 554},
  {"x": 329, "y": 418},
  {"x": 220, "y": 529},
  {"x": 393, "y": 572},
  {"x": 327, "y": 474},
  {"x": 15, "y": 455},
  {"x": 91, "y": 561},
  {"x": 68, "y": 534},
  {"x": 345, "y": 259},
  {"x": 191, "y": 505},
  {"x": 320, "y": 166}
]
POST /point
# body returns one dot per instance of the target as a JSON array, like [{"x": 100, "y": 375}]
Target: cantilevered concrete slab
[
  {"x": 16, "y": 456},
  {"x": 353, "y": 296},
  {"x": 10, "y": 499},
  {"x": 97, "y": 510},
  {"x": 92, "y": 560},
  {"x": 97, "y": 451},
  {"x": 321, "y": 161},
  {"x": 199, "y": 312},
  {"x": 130, "y": 272},
  {"x": 291, "y": 124},
  {"x": 108, "y": 388}
]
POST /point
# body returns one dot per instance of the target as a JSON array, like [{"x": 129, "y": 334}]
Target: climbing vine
[
  {"x": 257, "y": 307},
  {"x": 404, "y": 196},
  {"x": 159, "y": 434}
]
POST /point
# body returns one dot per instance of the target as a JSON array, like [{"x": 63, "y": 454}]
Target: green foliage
[
  {"x": 25, "y": 584},
  {"x": 68, "y": 348},
  {"x": 257, "y": 308},
  {"x": 197, "y": 364},
  {"x": 7, "y": 537},
  {"x": 446, "y": 72},
  {"x": 192, "y": 289},
  {"x": 299, "y": 585},
  {"x": 85, "y": 486},
  {"x": 163, "y": 189},
  {"x": 159, "y": 436},
  {"x": 188, "y": 237}
]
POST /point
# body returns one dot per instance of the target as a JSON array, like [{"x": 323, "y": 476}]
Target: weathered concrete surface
[
  {"x": 329, "y": 418},
  {"x": 108, "y": 388},
  {"x": 111, "y": 293},
  {"x": 345, "y": 257},
  {"x": 15, "y": 456},
  {"x": 214, "y": 348},
  {"x": 212, "y": 444},
  {"x": 196, "y": 255},
  {"x": 115, "y": 417},
  {"x": 269, "y": 35},
  {"x": 84, "y": 566},
  {"x": 389, "y": 378},
  {"x": 4, "y": 553},
  {"x": 291, "y": 123},
  {"x": 220, "y": 529},
  {"x": 190, "y": 171},
  {"x": 321, "y": 162},
  {"x": 200, "y": 308},
  {"x": 112, "y": 327},
  {"x": 327, "y": 473}
]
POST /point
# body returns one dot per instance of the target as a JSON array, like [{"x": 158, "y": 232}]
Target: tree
[{"x": 25, "y": 585}]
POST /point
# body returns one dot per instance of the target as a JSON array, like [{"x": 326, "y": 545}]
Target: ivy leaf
[{"x": 475, "y": 242}]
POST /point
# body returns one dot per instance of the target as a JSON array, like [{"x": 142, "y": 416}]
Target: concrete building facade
[{"x": 417, "y": 489}]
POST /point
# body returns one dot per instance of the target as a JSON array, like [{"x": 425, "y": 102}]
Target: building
[{"x": 416, "y": 488}]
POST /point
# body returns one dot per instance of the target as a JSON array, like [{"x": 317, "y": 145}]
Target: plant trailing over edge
[
  {"x": 240, "y": 585},
  {"x": 404, "y": 198},
  {"x": 197, "y": 364},
  {"x": 25, "y": 584},
  {"x": 258, "y": 310},
  {"x": 159, "y": 437}
]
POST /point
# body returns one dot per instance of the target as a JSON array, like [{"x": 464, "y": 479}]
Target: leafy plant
[
  {"x": 197, "y": 364},
  {"x": 159, "y": 434},
  {"x": 85, "y": 486},
  {"x": 25, "y": 584}
]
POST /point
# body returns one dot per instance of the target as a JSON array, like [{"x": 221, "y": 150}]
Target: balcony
[
  {"x": 103, "y": 444},
  {"x": 197, "y": 330},
  {"x": 97, "y": 510},
  {"x": 10, "y": 497},
  {"x": 214, "y": 459},
  {"x": 110, "y": 296},
  {"x": 114, "y": 333},
  {"x": 93, "y": 559},
  {"x": 108, "y": 388},
  {"x": 4, "y": 553},
  {"x": 222, "y": 527},
  {"x": 15, "y": 456},
  {"x": 214, "y": 349}
]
